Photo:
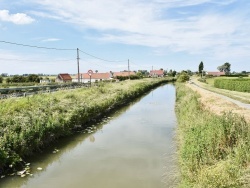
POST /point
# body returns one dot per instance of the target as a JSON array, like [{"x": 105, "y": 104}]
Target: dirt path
[{"x": 218, "y": 103}]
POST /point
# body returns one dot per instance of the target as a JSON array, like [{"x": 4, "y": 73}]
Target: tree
[
  {"x": 1, "y": 79},
  {"x": 201, "y": 67},
  {"x": 174, "y": 73},
  {"x": 96, "y": 71},
  {"x": 33, "y": 78},
  {"x": 18, "y": 79},
  {"x": 170, "y": 72},
  {"x": 8, "y": 80},
  {"x": 226, "y": 67},
  {"x": 139, "y": 74}
]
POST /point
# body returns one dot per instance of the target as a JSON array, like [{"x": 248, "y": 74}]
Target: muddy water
[{"x": 133, "y": 148}]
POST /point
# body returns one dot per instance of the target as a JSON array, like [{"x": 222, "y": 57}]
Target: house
[
  {"x": 123, "y": 73},
  {"x": 95, "y": 77},
  {"x": 156, "y": 73},
  {"x": 215, "y": 73},
  {"x": 4, "y": 74},
  {"x": 63, "y": 78},
  {"x": 45, "y": 81}
]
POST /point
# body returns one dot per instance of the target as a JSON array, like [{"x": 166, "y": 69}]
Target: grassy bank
[
  {"x": 28, "y": 124},
  {"x": 214, "y": 151}
]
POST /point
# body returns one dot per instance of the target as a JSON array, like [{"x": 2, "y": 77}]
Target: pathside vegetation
[{"x": 214, "y": 151}]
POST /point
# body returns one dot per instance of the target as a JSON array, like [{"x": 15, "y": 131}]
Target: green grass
[
  {"x": 209, "y": 85},
  {"x": 29, "y": 124},
  {"x": 214, "y": 151}
]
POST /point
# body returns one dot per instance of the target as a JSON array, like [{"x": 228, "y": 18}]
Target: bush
[
  {"x": 183, "y": 77},
  {"x": 1, "y": 79},
  {"x": 132, "y": 77},
  {"x": 235, "y": 75},
  {"x": 202, "y": 80},
  {"x": 209, "y": 76}
]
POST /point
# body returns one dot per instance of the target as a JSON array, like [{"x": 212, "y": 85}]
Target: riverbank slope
[{"x": 213, "y": 138}]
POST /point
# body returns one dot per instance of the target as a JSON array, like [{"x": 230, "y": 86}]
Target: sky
[{"x": 117, "y": 35}]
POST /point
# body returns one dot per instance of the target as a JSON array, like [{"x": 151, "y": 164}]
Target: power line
[
  {"x": 100, "y": 58},
  {"x": 29, "y": 60},
  {"x": 31, "y": 46},
  {"x": 102, "y": 65},
  {"x": 47, "y": 48}
]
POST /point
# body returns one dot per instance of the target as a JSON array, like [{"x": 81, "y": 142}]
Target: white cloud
[
  {"x": 18, "y": 18},
  {"x": 51, "y": 40},
  {"x": 147, "y": 23}
]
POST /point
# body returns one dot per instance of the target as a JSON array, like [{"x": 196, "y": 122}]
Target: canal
[{"x": 133, "y": 147}]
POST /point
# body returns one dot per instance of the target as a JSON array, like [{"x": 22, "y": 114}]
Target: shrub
[
  {"x": 183, "y": 77},
  {"x": 202, "y": 80}
]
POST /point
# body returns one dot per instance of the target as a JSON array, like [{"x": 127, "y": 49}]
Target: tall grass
[
  {"x": 29, "y": 124},
  {"x": 214, "y": 151}
]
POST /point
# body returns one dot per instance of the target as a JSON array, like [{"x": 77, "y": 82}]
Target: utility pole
[
  {"x": 128, "y": 70},
  {"x": 78, "y": 69}
]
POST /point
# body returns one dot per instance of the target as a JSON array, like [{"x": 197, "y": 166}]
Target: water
[{"x": 133, "y": 148}]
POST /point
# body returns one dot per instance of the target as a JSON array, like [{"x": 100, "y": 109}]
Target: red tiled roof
[
  {"x": 156, "y": 72},
  {"x": 94, "y": 76},
  {"x": 216, "y": 73},
  {"x": 64, "y": 76},
  {"x": 115, "y": 74}
]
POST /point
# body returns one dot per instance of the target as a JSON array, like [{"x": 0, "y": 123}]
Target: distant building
[
  {"x": 123, "y": 73},
  {"x": 156, "y": 73},
  {"x": 45, "y": 81},
  {"x": 95, "y": 77},
  {"x": 216, "y": 73},
  {"x": 63, "y": 78}
]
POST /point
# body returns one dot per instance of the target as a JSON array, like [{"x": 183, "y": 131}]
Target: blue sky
[{"x": 168, "y": 34}]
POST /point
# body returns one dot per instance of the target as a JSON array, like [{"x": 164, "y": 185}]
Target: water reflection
[{"x": 91, "y": 138}]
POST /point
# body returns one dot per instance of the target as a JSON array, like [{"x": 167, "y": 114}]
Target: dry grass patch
[{"x": 218, "y": 105}]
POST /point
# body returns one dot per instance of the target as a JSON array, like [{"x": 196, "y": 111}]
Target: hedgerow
[{"x": 240, "y": 84}]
